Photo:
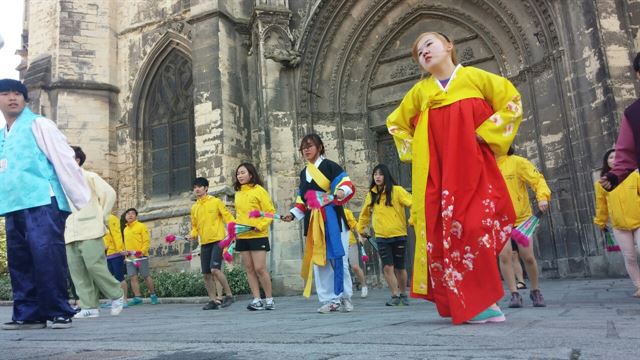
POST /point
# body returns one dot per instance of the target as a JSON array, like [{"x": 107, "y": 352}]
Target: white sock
[{"x": 256, "y": 300}]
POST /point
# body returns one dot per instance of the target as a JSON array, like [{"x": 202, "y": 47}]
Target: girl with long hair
[{"x": 385, "y": 203}]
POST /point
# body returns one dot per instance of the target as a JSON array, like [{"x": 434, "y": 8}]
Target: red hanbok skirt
[{"x": 469, "y": 214}]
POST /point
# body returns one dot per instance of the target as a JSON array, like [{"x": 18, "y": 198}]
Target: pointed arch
[{"x": 163, "y": 119}]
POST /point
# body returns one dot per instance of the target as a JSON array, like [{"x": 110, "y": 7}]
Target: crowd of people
[{"x": 469, "y": 190}]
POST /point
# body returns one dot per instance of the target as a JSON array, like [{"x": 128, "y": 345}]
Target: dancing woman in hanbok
[
  {"x": 450, "y": 126},
  {"x": 326, "y": 231}
]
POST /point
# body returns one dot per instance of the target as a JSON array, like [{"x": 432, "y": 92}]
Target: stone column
[
  {"x": 71, "y": 73},
  {"x": 274, "y": 129}
]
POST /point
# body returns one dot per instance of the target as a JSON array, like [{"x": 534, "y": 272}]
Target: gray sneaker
[
  {"x": 394, "y": 301},
  {"x": 269, "y": 305},
  {"x": 256, "y": 305},
  {"x": 346, "y": 305},
  {"x": 516, "y": 300},
  {"x": 536, "y": 297},
  {"x": 404, "y": 300}
]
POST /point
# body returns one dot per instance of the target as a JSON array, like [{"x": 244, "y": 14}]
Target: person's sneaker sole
[
  {"x": 515, "y": 306},
  {"x": 495, "y": 319},
  {"x": 251, "y": 308},
  {"x": 61, "y": 326},
  {"x": 24, "y": 326}
]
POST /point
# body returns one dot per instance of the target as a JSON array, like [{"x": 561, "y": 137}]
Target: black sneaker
[
  {"x": 394, "y": 301},
  {"x": 536, "y": 297},
  {"x": 516, "y": 300},
  {"x": 227, "y": 301},
  {"x": 404, "y": 300},
  {"x": 211, "y": 305},
  {"x": 24, "y": 325},
  {"x": 61, "y": 323},
  {"x": 256, "y": 305}
]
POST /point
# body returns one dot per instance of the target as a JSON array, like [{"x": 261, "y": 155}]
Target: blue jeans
[{"x": 38, "y": 263}]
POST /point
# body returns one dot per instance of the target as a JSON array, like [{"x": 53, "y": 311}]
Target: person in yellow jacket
[
  {"x": 354, "y": 260},
  {"x": 519, "y": 172},
  {"x": 137, "y": 242},
  {"x": 254, "y": 245},
  {"x": 114, "y": 249},
  {"x": 386, "y": 201},
  {"x": 208, "y": 216},
  {"x": 622, "y": 206}
]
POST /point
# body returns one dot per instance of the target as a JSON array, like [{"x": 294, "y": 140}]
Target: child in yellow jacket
[
  {"x": 622, "y": 206},
  {"x": 137, "y": 241},
  {"x": 519, "y": 172},
  {"x": 386, "y": 201},
  {"x": 354, "y": 260},
  {"x": 254, "y": 245},
  {"x": 208, "y": 216},
  {"x": 114, "y": 249}
]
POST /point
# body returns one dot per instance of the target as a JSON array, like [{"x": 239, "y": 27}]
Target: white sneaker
[
  {"x": 87, "y": 313},
  {"x": 346, "y": 305},
  {"x": 364, "y": 292},
  {"x": 117, "y": 305},
  {"x": 329, "y": 308}
]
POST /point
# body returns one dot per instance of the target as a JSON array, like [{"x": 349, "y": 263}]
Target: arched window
[{"x": 169, "y": 128}]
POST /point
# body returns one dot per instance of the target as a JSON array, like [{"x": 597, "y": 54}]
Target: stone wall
[{"x": 266, "y": 72}]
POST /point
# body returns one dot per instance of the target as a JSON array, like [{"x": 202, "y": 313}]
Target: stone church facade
[{"x": 158, "y": 92}]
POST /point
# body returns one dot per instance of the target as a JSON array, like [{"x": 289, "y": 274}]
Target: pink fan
[{"x": 317, "y": 199}]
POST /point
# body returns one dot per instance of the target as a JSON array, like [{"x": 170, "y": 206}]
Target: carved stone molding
[{"x": 271, "y": 30}]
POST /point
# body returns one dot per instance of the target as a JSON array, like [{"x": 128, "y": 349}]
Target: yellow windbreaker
[
  {"x": 113, "y": 238},
  {"x": 519, "y": 172},
  {"x": 137, "y": 238},
  {"x": 388, "y": 221},
  {"x": 253, "y": 197},
  {"x": 208, "y": 216},
  {"x": 622, "y": 204},
  {"x": 353, "y": 224}
]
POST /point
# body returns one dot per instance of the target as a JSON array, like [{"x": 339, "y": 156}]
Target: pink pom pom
[
  {"x": 312, "y": 199},
  {"x": 170, "y": 238},
  {"x": 520, "y": 238},
  {"x": 188, "y": 257},
  {"x": 365, "y": 258},
  {"x": 231, "y": 230},
  {"x": 136, "y": 264},
  {"x": 138, "y": 254},
  {"x": 255, "y": 214},
  {"x": 225, "y": 243},
  {"x": 227, "y": 257},
  {"x": 613, "y": 248}
]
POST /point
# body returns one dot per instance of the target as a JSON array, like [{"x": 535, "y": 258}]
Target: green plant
[
  {"x": 5, "y": 287},
  {"x": 187, "y": 283}
]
